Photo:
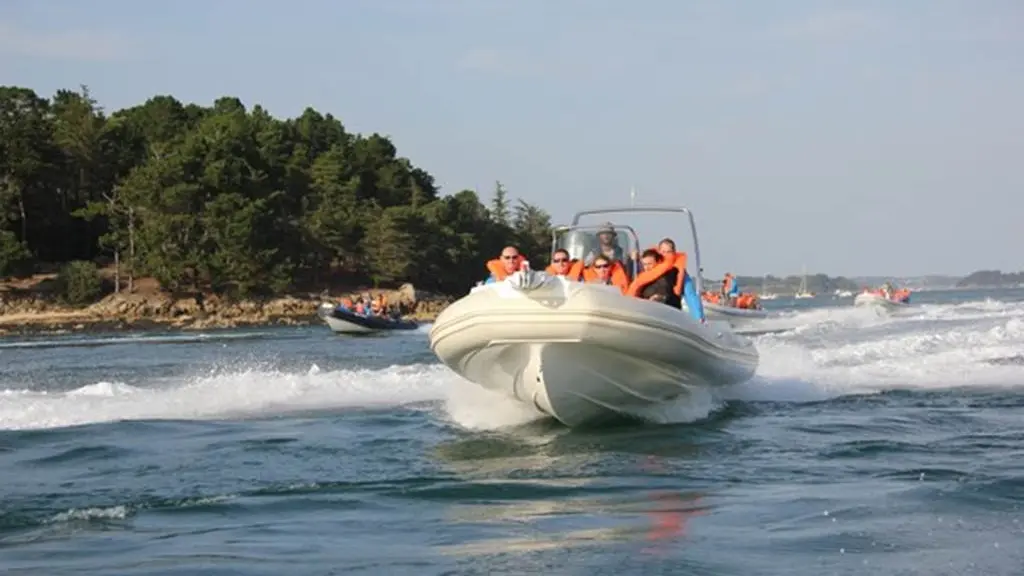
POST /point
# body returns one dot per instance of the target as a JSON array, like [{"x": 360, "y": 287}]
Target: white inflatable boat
[
  {"x": 734, "y": 316},
  {"x": 584, "y": 352},
  {"x": 879, "y": 301},
  {"x": 344, "y": 321}
]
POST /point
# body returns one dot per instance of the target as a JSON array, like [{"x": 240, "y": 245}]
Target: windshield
[
  {"x": 627, "y": 239},
  {"x": 586, "y": 242},
  {"x": 578, "y": 243}
]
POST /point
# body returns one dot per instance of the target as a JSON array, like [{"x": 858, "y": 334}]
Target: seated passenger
[
  {"x": 657, "y": 280},
  {"x": 604, "y": 271},
  {"x": 562, "y": 265},
  {"x": 746, "y": 302},
  {"x": 607, "y": 239},
  {"x": 684, "y": 284},
  {"x": 377, "y": 305},
  {"x": 346, "y": 304},
  {"x": 508, "y": 264},
  {"x": 608, "y": 246}
]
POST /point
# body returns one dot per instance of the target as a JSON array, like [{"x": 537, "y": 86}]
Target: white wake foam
[
  {"x": 827, "y": 353},
  {"x": 858, "y": 351},
  {"x": 233, "y": 395}
]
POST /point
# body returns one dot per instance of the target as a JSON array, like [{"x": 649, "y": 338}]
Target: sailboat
[
  {"x": 765, "y": 294},
  {"x": 801, "y": 292}
]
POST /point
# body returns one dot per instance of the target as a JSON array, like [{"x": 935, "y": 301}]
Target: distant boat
[
  {"x": 802, "y": 293},
  {"x": 765, "y": 294},
  {"x": 887, "y": 297},
  {"x": 344, "y": 321}
]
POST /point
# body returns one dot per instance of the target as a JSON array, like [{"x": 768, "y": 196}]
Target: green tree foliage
[
  {"x": 80, "y": 282},
  {"x": 499, "y": 205},
  {"x": 234, "y": 200}
]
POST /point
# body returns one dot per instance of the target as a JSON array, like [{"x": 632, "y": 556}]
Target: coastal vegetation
[
  {"x": 233, "y": 200},
  {"x": 229, "y": 201},
  {"x": 991, "y": 279},
  {"x": 816, "y": 283}
]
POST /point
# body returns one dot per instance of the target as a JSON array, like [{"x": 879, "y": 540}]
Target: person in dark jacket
[{"x": 662, "y": 289}]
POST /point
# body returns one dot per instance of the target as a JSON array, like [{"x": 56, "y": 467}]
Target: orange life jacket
[
  {"x": 644, "y": 279},
  {"x": 497, "y": 269},
  {"x": 574, "y": 274},
  {"x": 616, "y": 276}
]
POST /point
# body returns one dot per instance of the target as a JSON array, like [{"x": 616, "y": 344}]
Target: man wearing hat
[{"x": 609, "y": 247}]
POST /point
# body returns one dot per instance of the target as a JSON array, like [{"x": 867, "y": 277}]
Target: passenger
[
  {"x": 563, "y": 265},
  {"x": 684, "y": 284},
  {"x": 730, "y": 290},
  {"x": 745, "y": 301},
  {"x": 346, "y": 304},
  {"x": 510, "y": 262},
  {"x": 604, "y": 271},
  {"x": 610, "y": 249},
  {"x": 606, "y": 237},
  {"x": 657, "y": 280}
]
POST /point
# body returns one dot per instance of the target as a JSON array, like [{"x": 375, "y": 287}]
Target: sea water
[{"x": 867, "y": 443}]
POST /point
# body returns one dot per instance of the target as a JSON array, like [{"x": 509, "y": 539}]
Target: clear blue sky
[{"x": 869, "y": 137}]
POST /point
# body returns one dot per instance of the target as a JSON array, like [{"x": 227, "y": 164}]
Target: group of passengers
[
  {"x": 729, "y": 295},
  {"x": 365, "y": 305},
  {"x": 662, "y": 278},
  {"x": 890, "y": 292}
]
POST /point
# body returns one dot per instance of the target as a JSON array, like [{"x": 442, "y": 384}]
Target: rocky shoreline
[{"x": 161, "y": 311}]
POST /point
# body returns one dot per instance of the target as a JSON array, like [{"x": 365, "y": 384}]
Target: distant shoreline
[
  {"x": 33, "y": 314},
  {"x": 82, "y": 322}
]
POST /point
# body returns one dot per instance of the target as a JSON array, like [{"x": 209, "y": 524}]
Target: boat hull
[
  {"x": 583, "y": 353},
  {"x": 343, "y": 321},
  {"x": 734, "y": 316},
  {"x": 868, "y": 299}
]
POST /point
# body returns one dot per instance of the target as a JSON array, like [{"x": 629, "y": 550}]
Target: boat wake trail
[
  {"x": 847, "y": 351},
  {"x": 240, "y": 394},
  {"x": 829, "y": 353}
]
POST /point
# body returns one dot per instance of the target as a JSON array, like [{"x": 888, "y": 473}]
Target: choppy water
[{"x": 867, "y": 444}]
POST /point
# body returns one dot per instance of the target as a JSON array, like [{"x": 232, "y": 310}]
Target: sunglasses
[
  {"x": 507, "y": 257},
  {"x": 560, "y": 260},
  {"x": 602, "y": 266}
]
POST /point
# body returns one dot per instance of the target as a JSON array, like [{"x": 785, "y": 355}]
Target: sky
[{"x": 848, "y": 138}]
